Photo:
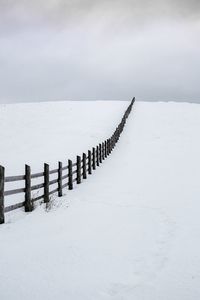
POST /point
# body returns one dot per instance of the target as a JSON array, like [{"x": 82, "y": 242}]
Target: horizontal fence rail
[{"x": 67, "y": 175}]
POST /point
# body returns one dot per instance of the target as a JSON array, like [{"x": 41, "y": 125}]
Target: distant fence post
[
  {"x": 60, "y": 190},
  {"x": 89, "y": 162},
  {"x": 103, "y": 151},
  {"x": 78, "y": 169},
  {"x": 108, "y": 147},
  {"x": 2, "y": 183},
  {"x": 93, "y": 158},
  {"x": 117, "y": 133},
  {"x": 100, "y": 153},
  {"x": 28, "y": 203},
  {"x": 112, "y": 142},
  {"x": 120, "y": 127},
  {"x": 97, "y": 154},
  {"x": 46, "y": 183},
  {"x": 84, "y": 166},
  {"x": 70, "y": 175},
  {"x": 115, "y": 137}
]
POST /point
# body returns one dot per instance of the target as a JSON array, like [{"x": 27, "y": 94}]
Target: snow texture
[{"x": 131, "y": 230}]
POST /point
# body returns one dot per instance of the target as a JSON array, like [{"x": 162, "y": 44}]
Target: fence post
[
  {"x": 70, "y": 175},
  {"x": 124, "y": 120},
  {"x": 100, "y": 153},
  {"x": 46, "y": 183},
  {"x": 84, "y": 166},
  {"x": 105, "y": 147},
  {"x": 108, "y": 148},
  {"x": 78, "y": 169},
  {"x": 28, "y": 203},
  {"x": 60, "y": 190},
  {"x": 112, "y": 142},
  {"x": 2, "y": 183},
  {"x": 120, "y": 127},
  {"x": 117, "y": 133},
  {"x": 116, "y": 136},
  {"x": 97, "y": 155},
  {"x": 109, "y": 145},
  {"x": 89, "y": 162},
  {"x": 93, "y": 158},
  {"x": 103, "y": 151}
]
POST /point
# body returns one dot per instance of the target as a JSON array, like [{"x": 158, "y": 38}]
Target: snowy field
[
  {"x": 129, "y": 232},
  {"x": 48, "y": 132}
]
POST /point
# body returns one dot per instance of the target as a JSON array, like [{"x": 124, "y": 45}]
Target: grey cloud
[
  {"x": 17, "y": 16},
  {"x": 56, "y": 49},
  {"x": 65, "y": 10}
]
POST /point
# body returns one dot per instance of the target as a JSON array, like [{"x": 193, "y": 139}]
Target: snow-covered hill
[
  {"x": 48, "y": 132},
  {"x": 131, "y": 231}
]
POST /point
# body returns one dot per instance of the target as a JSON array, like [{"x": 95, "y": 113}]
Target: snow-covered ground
[
  {"x": 48, "y": 132},
  {"x": 131, "y": 231}
]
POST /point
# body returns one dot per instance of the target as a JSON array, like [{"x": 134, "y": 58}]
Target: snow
[
  {"x": 131, "y": 230},
  {"x": 48, "y": 132}
]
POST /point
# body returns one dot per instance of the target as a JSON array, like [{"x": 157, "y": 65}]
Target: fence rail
[{"x": 76, "y": 172}]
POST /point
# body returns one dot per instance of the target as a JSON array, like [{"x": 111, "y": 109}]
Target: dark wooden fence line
[{"x": 83, "y": 166}]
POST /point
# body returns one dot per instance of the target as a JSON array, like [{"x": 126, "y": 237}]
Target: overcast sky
[{"x": 93, "y": 50}]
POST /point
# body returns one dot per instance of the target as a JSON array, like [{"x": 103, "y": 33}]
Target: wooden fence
[{"x": 67, "y": 176}]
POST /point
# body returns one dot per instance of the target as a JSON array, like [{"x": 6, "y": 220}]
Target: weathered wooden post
[
  {"x": 70, "y": 175},
  {"x": 84, "y": 166},
  {"x": 28, "y": 203},
  {"x": 100, "y": 153},
  {"x": 103, "y": 151},
  {"x": 120, "y": 128},
  {"x": 116, "y": 137},
  {"x": 124, "y": 120},
  {"x": 46, "y": 183},
  {"x": 108, "y": 147},
  {"x": 93, "y": 158},
  {"x": 2, "y": 183},
  {"x": 112, "y": 142},
  {"x": 89, "y": 162},
  {"x": 97, "y": 154},
  {"x": 60, "y": 190},
  {"x": 117, "y": 133},
  {"x": 78, "y": 169}
]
